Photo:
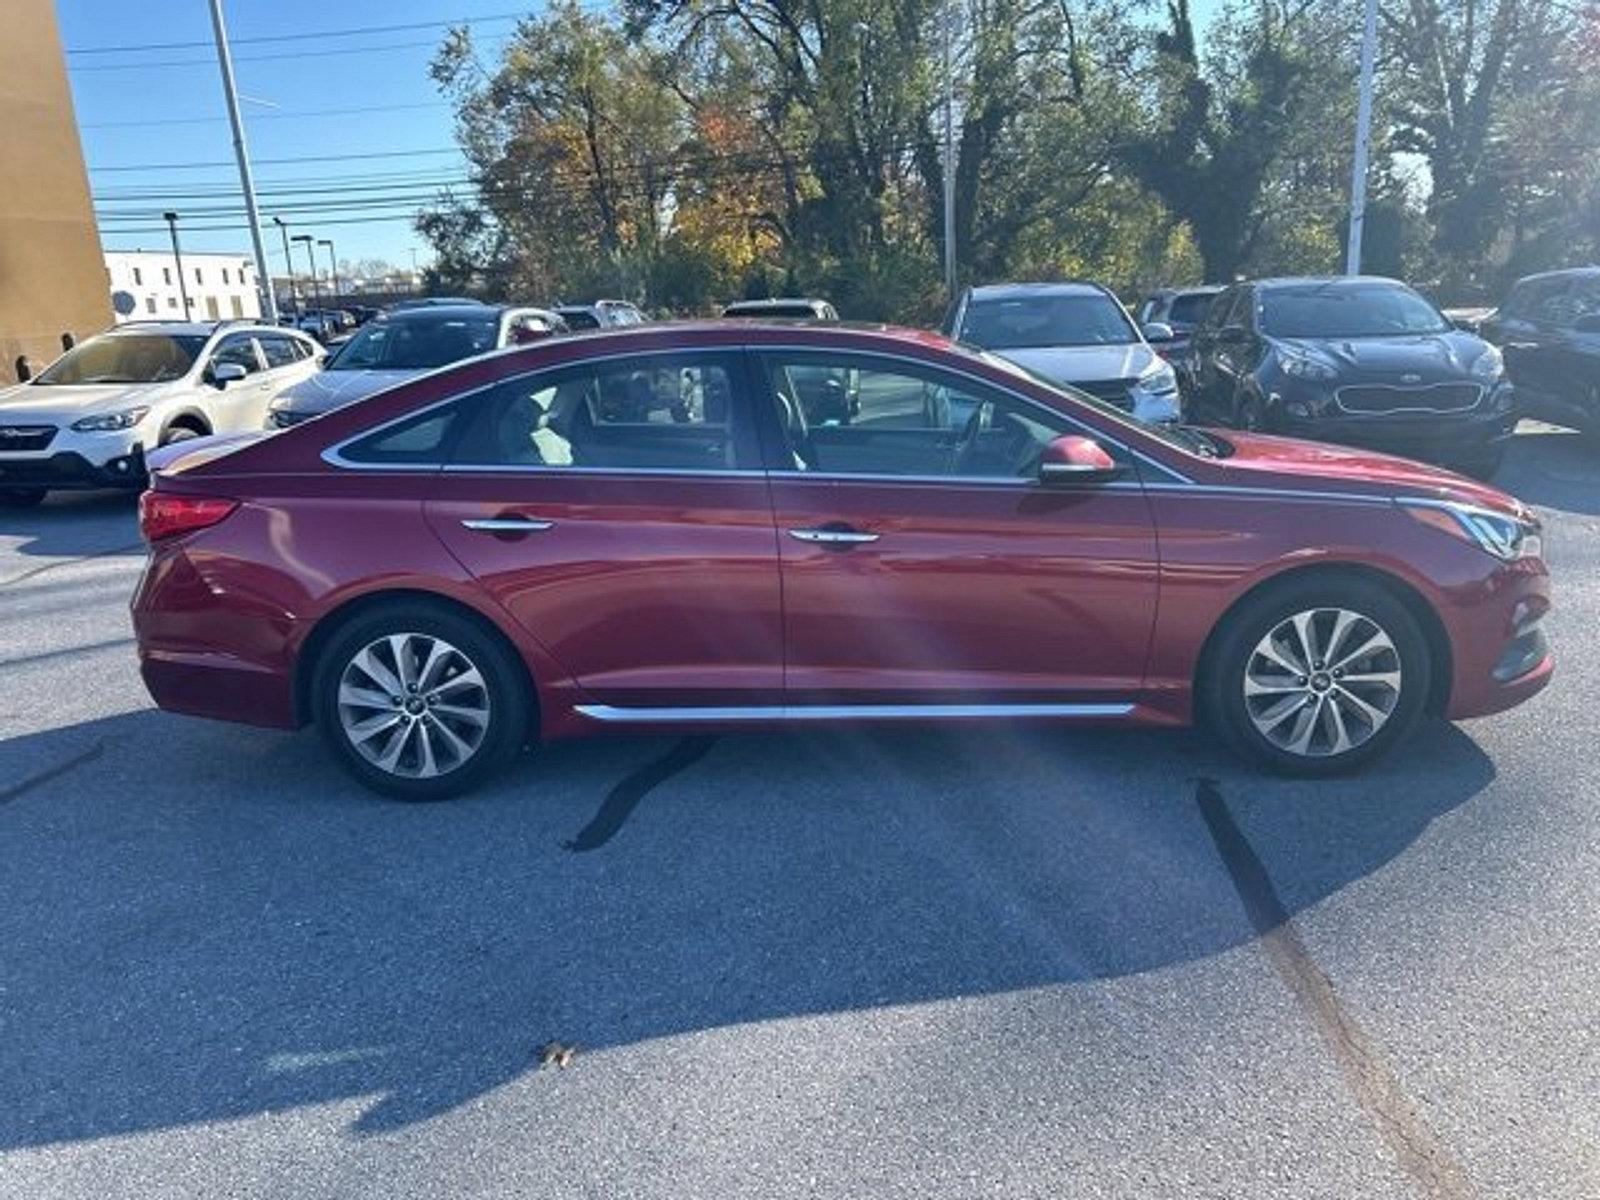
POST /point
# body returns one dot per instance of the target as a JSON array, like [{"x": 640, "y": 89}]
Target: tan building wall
[{"x": 52, "y": 276}]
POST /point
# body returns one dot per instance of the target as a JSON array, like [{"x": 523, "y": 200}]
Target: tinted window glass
[
  {"x": 125, "y": 358},
  {"x": 646, "y": 413},
  {"x": 1189, "y": 308},
  {"x": 416, "y": 344},
  {"x": 280, "y": 351},
  {"x": 422, "y": 440},
  {"x": 239, "y": 350},
  {"x": 1347, "y": 310},
  {"x": 845, "y": 417},
  {"x": 1023, "y": 322}
]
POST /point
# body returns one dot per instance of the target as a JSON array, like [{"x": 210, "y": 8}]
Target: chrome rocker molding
[{"x": 846, "y": 712}]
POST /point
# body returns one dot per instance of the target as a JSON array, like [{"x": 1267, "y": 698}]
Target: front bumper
[
  {"x": 68, "y": 470},
  {"x": 1435, "y": 436},
  {"x": 1501, "y": 656}
]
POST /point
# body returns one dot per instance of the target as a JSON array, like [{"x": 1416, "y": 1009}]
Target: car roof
[
  {"x": 777, "y": 302},
  {"x": 1301, "y": 281},
  {"x": 1562, "y": 273},
  {"x": 446, "y": 312},
  {"x": 1019, "y": 291},
  {"x": 196, "y": 328}
]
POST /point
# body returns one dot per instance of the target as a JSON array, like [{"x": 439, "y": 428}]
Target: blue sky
[{"x": 144, "y": 112}]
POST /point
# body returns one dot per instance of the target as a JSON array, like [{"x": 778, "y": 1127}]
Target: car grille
[
  {"x": 1112, "y": 391},
  {"x": 1433, "y": 397},
  {"x": 25, "y": 437}
]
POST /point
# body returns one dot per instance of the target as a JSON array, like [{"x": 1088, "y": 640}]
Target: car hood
[
  {"x": 1083, "y": 364},
  {"x": 61, "y": 405},
  {"x": 1429, "y": 355},
  {"x": 328, "y": 390},
  {"x": 1302, "y": 464}
]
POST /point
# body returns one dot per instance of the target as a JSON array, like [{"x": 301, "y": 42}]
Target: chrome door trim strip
[
  {"x": 507, "y": 524},
  {"x": 843, "y": 712},
  {"x": 1267, "y": 492}
]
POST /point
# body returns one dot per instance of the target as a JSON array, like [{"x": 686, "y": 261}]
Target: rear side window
[
  {"x": 1189, "y": 307},
  {"x": 425, "y": 439},
  {"x": 659, "y": 413},
  {"x": 280, "y": 351}
]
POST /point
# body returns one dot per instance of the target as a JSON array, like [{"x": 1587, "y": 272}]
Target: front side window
[
  {"x": 1341, "y": 310},
  {"x": 845, "y": 416},
  {"x": 124, "y": 358},
  {"x": 673, "y": 413},
  {"x": 1041, "y": 321}
]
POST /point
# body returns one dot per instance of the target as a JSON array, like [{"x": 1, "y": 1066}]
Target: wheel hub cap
[
  {"x": 1322, "y": 682},
  {"x": 413, "y": 705}
]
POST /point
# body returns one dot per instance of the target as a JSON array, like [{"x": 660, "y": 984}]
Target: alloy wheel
[
  {"x": 1322, "y": 682},
  {"x": 413, "y": 705}
]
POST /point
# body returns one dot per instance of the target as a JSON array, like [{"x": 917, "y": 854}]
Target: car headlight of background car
[
  {"x": 127, "y": 418},
  {"x": 1300, "y": 366},
  {"x": 1158, "y": 379},
  {"x": 1489, "y": 365},
  {"x": 1507, "y": 538}
]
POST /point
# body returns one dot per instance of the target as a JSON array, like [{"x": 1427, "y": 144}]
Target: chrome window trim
[
  {"x": 334, "y": 458},
  {"x": 843, "y": 712}
]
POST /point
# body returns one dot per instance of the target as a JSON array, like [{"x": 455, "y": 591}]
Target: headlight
[
  {"x": 1505, "y": 537},
  {"x": 1158, "y": 378},
  {"x": 1301, "y": 367},
  {"x": 1491, "y": 364},
  {"x": 108, "y": 422}
]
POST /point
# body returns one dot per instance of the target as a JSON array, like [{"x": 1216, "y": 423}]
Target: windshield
[
  {"x": 1037, "y": 322},
  {"x": 579, "y": 318},
  {"x": 1181, "y": 436},
  {"x": 416, "y": 345},
  {"x": 1328, "y": 310},
  {"x": 125, "y": 358}
]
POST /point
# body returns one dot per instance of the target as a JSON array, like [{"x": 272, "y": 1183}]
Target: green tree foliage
[{"x": 687, "y": 152}]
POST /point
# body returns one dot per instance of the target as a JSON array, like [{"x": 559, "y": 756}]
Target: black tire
[
  {"x": 503, "y": 694},
  {"x": 22, "y": 497},
  {"x": 1221, "y": 694},
  {"x": 178, "y": 433}
]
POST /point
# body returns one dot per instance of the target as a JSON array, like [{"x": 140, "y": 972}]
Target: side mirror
[
  {"x": 222, "y": 374},
  {"x": 1157, "y": 331},
  {"x": 1072, "y": 458},
  {"x": 1233, "y": 335}
]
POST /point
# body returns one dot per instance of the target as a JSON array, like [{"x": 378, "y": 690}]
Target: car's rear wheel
[
  {"x": 419, "y": 703},
  {"x": 21, "y": 497},
  {"x": 1319, "y": 676}
]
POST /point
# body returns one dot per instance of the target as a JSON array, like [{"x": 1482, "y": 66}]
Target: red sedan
[{"x": 686, "y": 527}]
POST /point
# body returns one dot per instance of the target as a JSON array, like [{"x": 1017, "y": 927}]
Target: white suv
[{"x": 86, "y": 420}]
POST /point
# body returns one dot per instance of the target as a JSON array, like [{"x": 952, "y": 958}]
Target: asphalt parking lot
[{"x": 910, "y": 963}]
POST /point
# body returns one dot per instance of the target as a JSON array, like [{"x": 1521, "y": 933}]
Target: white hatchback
[{"x": 87, "y": 419}]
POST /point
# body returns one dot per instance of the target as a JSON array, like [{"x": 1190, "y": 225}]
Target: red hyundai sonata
[{"x": 707, "y": 526}]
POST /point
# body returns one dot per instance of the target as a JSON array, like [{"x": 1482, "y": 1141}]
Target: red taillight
[{"x": 164, "y": 514}]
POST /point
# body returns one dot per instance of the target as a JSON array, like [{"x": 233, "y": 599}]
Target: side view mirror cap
[
  {"x": 222, "y": 374},
  {"x": 1073, "y": 458},
  {"x": 1157, "y": 331}
]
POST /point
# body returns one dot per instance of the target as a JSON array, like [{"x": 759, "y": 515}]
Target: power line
[
  {"x": 343, "y": 52},
  {"x": 277, "y": 116},
  {"x": 295, "y": 37},
  {"x": 301, "y": 158}
]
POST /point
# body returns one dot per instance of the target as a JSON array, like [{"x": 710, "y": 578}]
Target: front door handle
[
  {"x": 506, "y": 524},
  {"x": 833, "y": 537}
]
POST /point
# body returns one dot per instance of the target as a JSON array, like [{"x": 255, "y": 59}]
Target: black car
[
  {"x": 1549, "y": 330},
  {"x": 1358, "y": 360}
]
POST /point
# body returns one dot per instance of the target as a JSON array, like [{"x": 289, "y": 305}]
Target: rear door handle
[
  {"x": 833, "y": 537},
  {"x": 506, "y": 524}
]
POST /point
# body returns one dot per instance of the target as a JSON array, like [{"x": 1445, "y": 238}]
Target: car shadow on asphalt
[
  {"x": 203, "y": 922},
  {"x": 74, "y": 525}
]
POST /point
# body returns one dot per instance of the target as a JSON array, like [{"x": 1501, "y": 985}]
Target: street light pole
[
  {"x": 171, "y": 218},
  {"x": 311, "y": 255},
  {"x": 333, "y": 267},
  {"x": 246, "y": 184},
  {"x": 949, "y": 159},
  {"x": 288, "y": 262},
  {"x": 1358, "y": 170}
]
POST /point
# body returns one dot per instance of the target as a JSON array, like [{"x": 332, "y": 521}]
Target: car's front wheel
[
  {"x": 1318, "y": 676},
  {"x": 420, "y": 703}
]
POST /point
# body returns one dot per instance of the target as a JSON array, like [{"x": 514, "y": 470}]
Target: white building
[{"x": 144, "y": 286}]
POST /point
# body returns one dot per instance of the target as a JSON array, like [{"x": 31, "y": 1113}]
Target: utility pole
[
  {"x": 333, "y": 267},
  {"x": 950, "y": 158},
  {"x": 1358, "y": 171},
  {"x": 171, "y": 218},
  {"x": 246, "y": 184},
  {"x": 288, "y": 263}
]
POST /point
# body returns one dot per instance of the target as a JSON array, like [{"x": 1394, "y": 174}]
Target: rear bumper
[{"x": 69, "y": 470}]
